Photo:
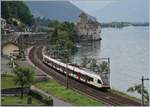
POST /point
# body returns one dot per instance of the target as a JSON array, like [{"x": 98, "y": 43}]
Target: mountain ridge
[{"x": 55, "y": 10}]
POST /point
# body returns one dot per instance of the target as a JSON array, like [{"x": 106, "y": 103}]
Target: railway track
[{"x": 109, "y": 98}]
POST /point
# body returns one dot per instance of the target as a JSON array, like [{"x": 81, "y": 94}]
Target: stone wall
[{"x": 14, "y": 91}]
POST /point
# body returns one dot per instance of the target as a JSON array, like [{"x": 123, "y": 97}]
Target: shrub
[
  {"x": 35, "y": 94},
  {"x": 29, "y": 100},
  {"x": 47, "y": 100}
]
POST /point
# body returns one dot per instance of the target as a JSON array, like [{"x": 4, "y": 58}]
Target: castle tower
[{"x": 83, "y": 18}]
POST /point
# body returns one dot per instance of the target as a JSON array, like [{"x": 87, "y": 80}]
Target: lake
[{"x": 128, "y": 52}]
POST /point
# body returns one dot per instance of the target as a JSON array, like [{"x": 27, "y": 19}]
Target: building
[
  {"x": 88, "y": 29},
  {"x": 10, "y": 49},
  {"x": 3, "y": 23}
]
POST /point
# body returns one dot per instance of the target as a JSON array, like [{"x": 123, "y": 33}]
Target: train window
[
  {"x": 82, "y": 76},
  {"x": 99, "y": 81},
  {"x": 89, "y": 78},
  {"x": 75, "y": 73},
  {"x": 70, "y": 71},
  {"x": 48, "y": 61}
]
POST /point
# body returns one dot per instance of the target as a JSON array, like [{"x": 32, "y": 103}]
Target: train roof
[{"x": 89, "y": 73}]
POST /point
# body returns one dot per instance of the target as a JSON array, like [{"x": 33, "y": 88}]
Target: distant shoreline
[{"x": 122, "y": 24}]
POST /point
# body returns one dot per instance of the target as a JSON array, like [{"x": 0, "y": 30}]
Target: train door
[
  {"x": 86, "y": 78},
  {"x": 79, "y": 75}
]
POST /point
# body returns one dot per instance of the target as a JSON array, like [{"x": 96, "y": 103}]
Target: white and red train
[{"x": 76, "y": 73}]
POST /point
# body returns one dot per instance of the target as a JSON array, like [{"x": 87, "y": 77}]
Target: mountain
[
  {"x": 57, "y": 10},
  {"x": 124, "y": 10}
]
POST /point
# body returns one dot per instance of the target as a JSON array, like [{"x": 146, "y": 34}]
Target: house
[
  {"x": 10, "y": 49},
  {"x": 3, "y": 23}
]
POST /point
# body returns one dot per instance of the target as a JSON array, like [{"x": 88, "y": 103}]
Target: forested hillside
[{"x": 18, "y": 10}]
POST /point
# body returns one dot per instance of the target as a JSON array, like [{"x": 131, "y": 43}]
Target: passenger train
[{"x": 77, "y": 73}]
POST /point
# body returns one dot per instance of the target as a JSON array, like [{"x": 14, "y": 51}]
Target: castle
[{"x": 88, "y": 29}]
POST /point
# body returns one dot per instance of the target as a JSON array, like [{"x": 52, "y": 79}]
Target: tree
[
  {"x": 23, "y": 77},
  {"x": 137, "y": 88},
  {"x": 85, "y": 62},
  {"x": 64, "y": 45},
  {"x": 53, "y": 36},
  {"x": 18, "y": 10},
  {"x": 93, "y": 65},
  {"x": 103, "y": 67},
  {"x": 54, "y": 23},
  {"x": 71, "y": 29}
]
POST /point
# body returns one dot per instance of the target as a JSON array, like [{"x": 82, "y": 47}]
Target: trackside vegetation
[{"x": 52, "y": 87}]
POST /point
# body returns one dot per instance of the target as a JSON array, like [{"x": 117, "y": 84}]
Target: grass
[
  {"x": 7, "y": 82},
  {"x": 73, "y": 97},
  {"x": 15, "y": 100},
  {"x": 7, "y": 61}
]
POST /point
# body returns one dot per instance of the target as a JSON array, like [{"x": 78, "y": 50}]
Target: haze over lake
[{"x": 128, "y": 52}]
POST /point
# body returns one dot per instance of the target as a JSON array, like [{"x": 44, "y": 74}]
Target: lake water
[{"x": 128, "y": 52}]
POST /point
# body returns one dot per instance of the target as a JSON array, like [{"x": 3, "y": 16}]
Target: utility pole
[
  {"x": 66, "y": 76},
  {"x": 67, "y": 72},
  {"x": 142, "y": 89},
  {"x": 109, "y": 68}
]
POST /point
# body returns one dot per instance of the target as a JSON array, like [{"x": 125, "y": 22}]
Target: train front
[{"x": 105, "y": 80}]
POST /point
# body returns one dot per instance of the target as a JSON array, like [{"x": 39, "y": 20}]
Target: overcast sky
[
  {"x": 115, "y": 10},
  {"x": 90, "y": 6}
]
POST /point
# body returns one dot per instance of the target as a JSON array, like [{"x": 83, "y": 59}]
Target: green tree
[
  {"x": 53, "y": 36},
  {"x": 137, "y": 88},
  {"x": 18, "y": 10},
  {"x": 93, "y": 65},
  {"x": 85, "y": 62},
  {"x": 54, "y": 23},
  {"x": 64, "y": 45},
  {"x": 23, "y": 77},
  {"x": 103, "y": 67},
  {"x": 71, "y": 29}
]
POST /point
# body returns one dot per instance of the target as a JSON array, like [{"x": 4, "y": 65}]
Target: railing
[{"x": 23, "y": 33}]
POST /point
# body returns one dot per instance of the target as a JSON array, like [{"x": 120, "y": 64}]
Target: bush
[
  {"x": 29, "y": 100},
  {"x": 35, "y": 94},
  {"x": 47, "y": 100}
]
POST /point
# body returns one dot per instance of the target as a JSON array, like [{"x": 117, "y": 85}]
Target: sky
[
  {"x": 90, "y": 6},
  {"x": 115, "y": 10}
]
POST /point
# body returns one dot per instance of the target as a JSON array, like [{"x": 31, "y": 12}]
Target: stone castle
[{"x": 88, "y": 29}]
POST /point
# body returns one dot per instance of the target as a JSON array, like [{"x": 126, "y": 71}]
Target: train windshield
[{"x": 99, "y": 81}]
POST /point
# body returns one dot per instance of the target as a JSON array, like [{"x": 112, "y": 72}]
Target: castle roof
[{"x": 83, "y": 14}]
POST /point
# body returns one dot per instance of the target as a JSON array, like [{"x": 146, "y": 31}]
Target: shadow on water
[{"x": 89, "y": 47}]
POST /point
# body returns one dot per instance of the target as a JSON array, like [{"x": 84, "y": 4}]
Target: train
[{"x": 85, "y": 76}]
